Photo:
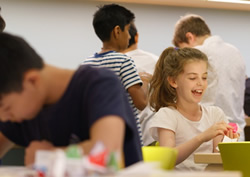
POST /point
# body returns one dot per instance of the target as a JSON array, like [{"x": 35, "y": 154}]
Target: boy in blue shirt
[{"x": 45, "y": 107}]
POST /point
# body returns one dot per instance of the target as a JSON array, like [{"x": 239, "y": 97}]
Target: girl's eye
[{"x": 204, "y": 78}]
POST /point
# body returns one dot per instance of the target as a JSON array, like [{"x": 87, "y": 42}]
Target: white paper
[{"x": 226, "y": 139}]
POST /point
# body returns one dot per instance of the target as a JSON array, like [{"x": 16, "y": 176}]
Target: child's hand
[
  {"x": 232, "y": 135},
  {"x": 33, "y": 147},
  {"x": 219, "y": 128},
  {"x": 145, "y": 77}
]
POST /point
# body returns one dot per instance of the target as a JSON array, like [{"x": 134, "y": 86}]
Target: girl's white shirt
[{"x": 172, "y": 119}]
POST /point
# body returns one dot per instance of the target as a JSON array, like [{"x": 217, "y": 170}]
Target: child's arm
[
  {"x": 109, "y": 130},
  {"x": 139, "y": 96},
  {"x": 216, "y": 141},
  {"x": 5, "y": 145},
  {"x": 167, "y": 138}
]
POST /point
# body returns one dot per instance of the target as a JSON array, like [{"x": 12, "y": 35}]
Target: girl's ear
[{"x": 172, "y": 82}]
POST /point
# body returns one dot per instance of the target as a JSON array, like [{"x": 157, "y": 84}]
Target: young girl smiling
[{"x": 177, "y": 86}]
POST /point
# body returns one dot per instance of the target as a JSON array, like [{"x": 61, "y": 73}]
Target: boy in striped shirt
[{"x": 112, "y": 23}]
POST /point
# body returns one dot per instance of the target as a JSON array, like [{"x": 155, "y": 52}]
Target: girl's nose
[{"x": 200, "y": 82}]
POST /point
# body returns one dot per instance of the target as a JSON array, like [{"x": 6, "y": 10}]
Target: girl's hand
[
  {"x": 219, "y": 128},
  {"x": 232, "y": 135}
]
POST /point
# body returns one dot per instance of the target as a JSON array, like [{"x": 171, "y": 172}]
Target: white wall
[{"x": 62, "y": 33}]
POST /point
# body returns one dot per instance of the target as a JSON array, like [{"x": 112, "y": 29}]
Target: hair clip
[{"x": 176, "y": 48}]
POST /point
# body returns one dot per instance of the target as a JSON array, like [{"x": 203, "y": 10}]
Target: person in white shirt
[
  {"x": 145, "y": 64},
  {"x": 226, "y": 78},
  {"x": 144, "y": 61},
  {"x": 177, "y": 87}
]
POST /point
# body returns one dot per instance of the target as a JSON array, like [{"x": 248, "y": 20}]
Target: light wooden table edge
[
  {"x": 208, "y": 158},
  {"x": 247, "y": 121}
]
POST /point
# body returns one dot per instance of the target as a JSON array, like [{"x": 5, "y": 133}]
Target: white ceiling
[{"x": 218, "y": 4}]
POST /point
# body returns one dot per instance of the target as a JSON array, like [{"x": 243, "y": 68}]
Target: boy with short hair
[
  {"x": 111, "y": 23},
  {"x": 45, "y": 107}
]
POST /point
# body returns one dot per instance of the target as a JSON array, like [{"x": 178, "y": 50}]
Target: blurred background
[{"x": 61, "y": 30}]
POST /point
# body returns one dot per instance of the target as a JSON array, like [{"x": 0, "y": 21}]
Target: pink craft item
[{"x": 234, "y": 125}]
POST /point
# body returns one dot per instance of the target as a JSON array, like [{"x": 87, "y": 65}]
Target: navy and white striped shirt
[{"x": 124, "y": 68}]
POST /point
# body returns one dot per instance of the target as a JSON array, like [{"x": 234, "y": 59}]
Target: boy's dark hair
[
  {"x": 2, "y": 23},
  {"x": 247, "y": 98},
  {"x": 109, "y": 16},
  {"x": 16, "y": 58},
  {"x": 132, "y": 32}
]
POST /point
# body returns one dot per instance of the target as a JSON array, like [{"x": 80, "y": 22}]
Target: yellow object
[
  {"x": 166, "y": 156},
  {"x": 236, "y": 156},
  {"x": 157, "y": 143}
]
